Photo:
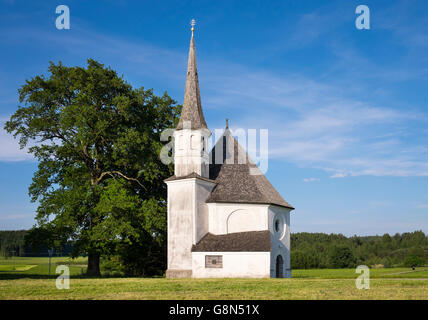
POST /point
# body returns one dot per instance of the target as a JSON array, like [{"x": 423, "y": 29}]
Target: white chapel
[{"x": 225, "y": 219}]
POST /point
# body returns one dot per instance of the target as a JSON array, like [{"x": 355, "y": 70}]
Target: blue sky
[{"x": 345, "y": 108}]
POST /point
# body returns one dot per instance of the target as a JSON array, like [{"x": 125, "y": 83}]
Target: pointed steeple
[{"x": 192, "y": 114}]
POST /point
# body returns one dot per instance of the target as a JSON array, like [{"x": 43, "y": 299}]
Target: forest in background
[
  {"x": 308, "y": 250},
  {"x": 320, "y": 250},
  {"x": 16, "y": 243}
]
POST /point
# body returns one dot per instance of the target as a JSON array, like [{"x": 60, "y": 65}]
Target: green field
[
  {"x": 38, "y": 266},
  {"x": 30, "y": 280},
  {"x": 384, "y": 273}
]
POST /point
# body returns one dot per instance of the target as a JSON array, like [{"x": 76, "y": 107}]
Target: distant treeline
[
  {"x": 13, "y": 243},
  {"x": 320, "y": 250},
  {"x": 308, "y": 250}
]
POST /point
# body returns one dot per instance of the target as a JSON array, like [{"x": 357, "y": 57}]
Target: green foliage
[
  {"x": 12, "y": 243},
  {"x": 415, "y": 258},
  {"x": 314, "y": 250},
  {"x": 386, "y": 262},
  {"x": 97, "y": 141},
  {"x": 304, "y": 259},
  {"x": 112, "y": 265},
  {"x": 413, "y": 261},
  {"x": 341, "y": 257}
]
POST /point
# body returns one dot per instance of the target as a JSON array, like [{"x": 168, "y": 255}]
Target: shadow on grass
[{"x": 17, "y": 276}]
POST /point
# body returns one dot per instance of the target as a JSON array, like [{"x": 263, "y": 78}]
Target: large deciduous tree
[{"x": 97, "y": 142}]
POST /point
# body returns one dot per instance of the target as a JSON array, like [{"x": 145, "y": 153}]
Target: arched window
[
  {"x": 194, "y": 142},
  {"x": 279, "y": 267},
  {"x": 277, "y": 225},
  {"x": 180, "y": 142},
  {"x": 235, "y": 221}
]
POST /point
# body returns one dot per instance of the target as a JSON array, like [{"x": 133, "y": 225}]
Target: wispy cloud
[
  {"x": 315, "y": 125},
  {"x": 312, "y": 123},
  {"x": 310, "y": 179},
  {"x": 136, "y": 57},
  {"x": 16, "y": 216},
  {"x": 338, "y": 175}
]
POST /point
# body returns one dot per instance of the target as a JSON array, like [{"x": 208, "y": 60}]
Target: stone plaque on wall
[{"x": 213, "y": 261}]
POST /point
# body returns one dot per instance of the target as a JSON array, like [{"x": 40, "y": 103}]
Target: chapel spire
[{"x": 192, "y": 116}]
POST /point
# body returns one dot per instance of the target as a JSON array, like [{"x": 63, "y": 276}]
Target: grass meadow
[{"x": 28, "y": 278}]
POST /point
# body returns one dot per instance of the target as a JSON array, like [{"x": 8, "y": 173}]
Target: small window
[
  {"x": 194, "y": 142},
  {"x": 180, "y": 142},
  {"x": 277, "y": 225},
  {"x": 213, "y": 261}
]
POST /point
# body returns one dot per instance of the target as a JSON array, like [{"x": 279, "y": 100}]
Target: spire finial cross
[{"x": 192, "y": 23}]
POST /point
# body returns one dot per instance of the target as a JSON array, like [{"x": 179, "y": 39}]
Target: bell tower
[
  {"x": 192, "y": 134},
  {"x": 190, "y": 186}
]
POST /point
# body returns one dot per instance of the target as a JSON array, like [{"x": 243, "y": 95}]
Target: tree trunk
[{"x": 93, "y": 264}]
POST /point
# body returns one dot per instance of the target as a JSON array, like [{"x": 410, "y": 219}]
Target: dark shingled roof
[
  {"x": 240, "y": 180},
  {"x": 192, "y": 114},
  {"x": 233, "y": 242}
]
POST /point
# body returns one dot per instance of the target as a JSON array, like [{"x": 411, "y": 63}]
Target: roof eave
[{"x": 209, "y": 200}]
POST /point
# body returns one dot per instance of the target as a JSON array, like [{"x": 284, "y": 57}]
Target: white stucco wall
[
  {"x": 180, "y": 223},
  {"x": 235, "y": 265},
  {"x": 202, "y": 192},
  {"x": 227, "y": 218},
  {"x": 187, "y": 219},
  {"x": 190, "y": 218},
  {"x": 280, "y": 241}
]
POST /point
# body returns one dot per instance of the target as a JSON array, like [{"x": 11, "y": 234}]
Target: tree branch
[{"x": 112, "y": 173}]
